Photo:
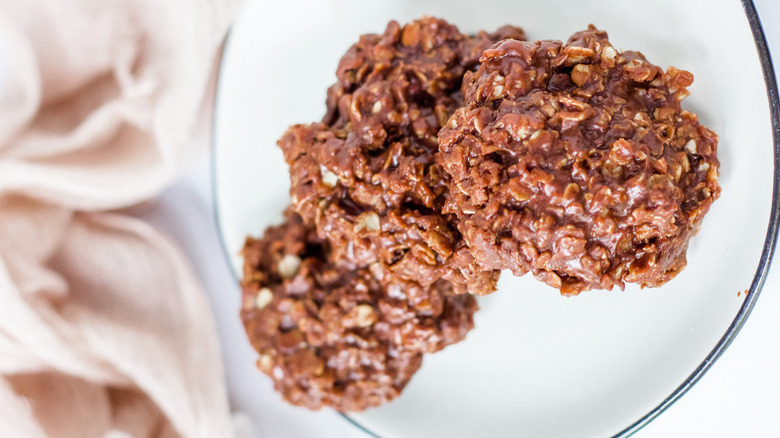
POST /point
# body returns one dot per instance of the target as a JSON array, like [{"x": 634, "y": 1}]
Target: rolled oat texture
[
  {"x": 366, "y": 177},
  {"x": 331, "y": 334},
  {"x": 576, "y": 162}
]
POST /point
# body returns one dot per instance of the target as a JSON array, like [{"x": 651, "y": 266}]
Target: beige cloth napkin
[{"x": 104, "y": 330}]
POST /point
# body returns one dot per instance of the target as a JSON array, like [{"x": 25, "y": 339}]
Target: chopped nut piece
[
  {"x": 328, "y": 178},
  {"x": 363, "y": 316},
  {"x": 264, "y": 297},
  {"x": 572, "y": 192},
  {"x": 368, "y": 221},
  {"x": 288, "y": 265},
  {"x": 498, "y": 86},
  {"x": 609, "y": 53},
  {"x": 265, "y": 363},
  {"x": 498, "y": 91},
  {"x": 580, "y": 74},
  {"x": 691, "y": 146}
]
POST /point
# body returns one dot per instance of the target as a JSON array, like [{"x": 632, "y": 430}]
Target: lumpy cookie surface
[
  {"x": 330, "y": 334},
  {"x": 366, "y": 177},
  {"x": 576, "y": 162}
]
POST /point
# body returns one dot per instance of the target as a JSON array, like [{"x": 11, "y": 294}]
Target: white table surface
[{"x": 738, "y": 397}]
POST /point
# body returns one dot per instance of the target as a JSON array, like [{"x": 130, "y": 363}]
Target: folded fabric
[{"x": 104, "y": 329}]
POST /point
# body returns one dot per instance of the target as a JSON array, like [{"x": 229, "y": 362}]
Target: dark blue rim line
[
  {"x": 769, "y": 243},
  {"x": 758, "y": 279}
]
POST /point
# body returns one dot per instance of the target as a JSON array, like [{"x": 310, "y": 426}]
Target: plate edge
[
  {"x": 759, "y": 277},
  {"x": 770, "y": 241}
]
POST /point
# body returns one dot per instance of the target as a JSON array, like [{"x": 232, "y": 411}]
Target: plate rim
[
  {"x": 759, "y": 278},
  {"x": 770, "y": 241}
]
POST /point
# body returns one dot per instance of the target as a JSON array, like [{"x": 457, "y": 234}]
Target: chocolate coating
[
  {"x": 366, "y": 177},
  {"x": 576, "y": 162},
  {"x": 331, "y": 334}
]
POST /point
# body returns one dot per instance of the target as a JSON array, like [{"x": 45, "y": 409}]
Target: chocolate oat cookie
[
  {"x": 366, "y": 176},
  {"x": 576, "y": 162},
  {"x": 330, "y": 334}
]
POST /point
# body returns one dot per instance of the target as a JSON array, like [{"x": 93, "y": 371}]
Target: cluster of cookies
[{"x": 445, "y": 158}]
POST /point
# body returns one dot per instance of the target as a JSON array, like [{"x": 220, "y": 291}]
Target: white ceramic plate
[{"x": 537, "y": 364}]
